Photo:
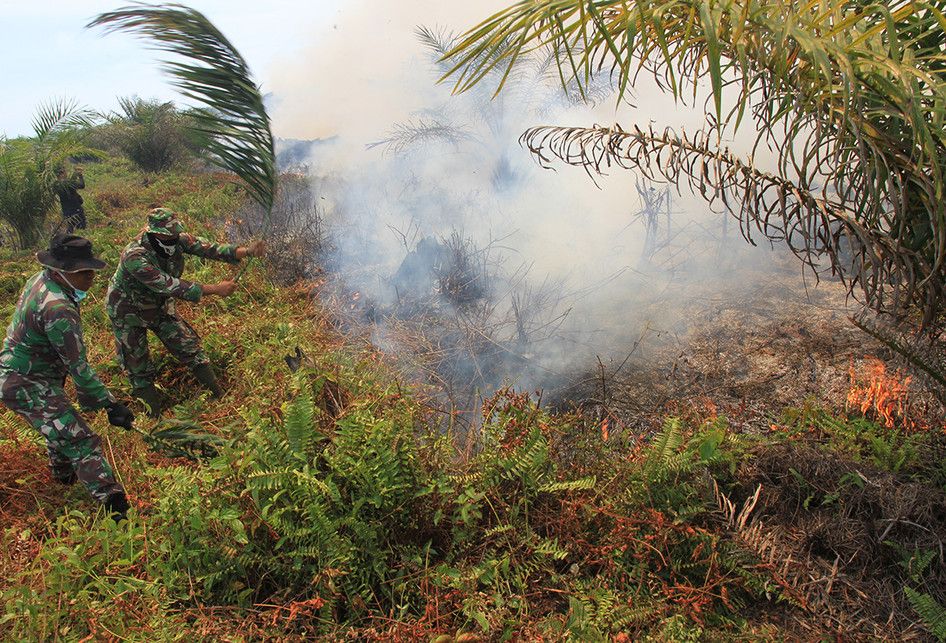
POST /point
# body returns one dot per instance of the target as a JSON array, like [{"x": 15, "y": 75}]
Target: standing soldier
[
  {"x": 141, "y": 298},
  {"x": 43, "y": 345},
  {"x": 73, "y": 214}
]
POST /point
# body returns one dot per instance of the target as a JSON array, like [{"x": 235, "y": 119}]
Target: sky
[
  {"x": 48, "y": 53},
  {"x": 307, "y": 54}
]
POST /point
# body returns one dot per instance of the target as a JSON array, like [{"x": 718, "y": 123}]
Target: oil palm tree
[
  {"x": 152, "y": 133},
  {"x": 850, "y": 94},
  {"x": 28, "y": 167}
]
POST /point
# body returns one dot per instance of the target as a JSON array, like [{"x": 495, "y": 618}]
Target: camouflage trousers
[
  {"x": 131, "y": 343},
  {"x": 72, "y": 446}
]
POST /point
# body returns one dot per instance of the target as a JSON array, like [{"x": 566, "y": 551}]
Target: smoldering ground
[{"x": 567, "y": 271}]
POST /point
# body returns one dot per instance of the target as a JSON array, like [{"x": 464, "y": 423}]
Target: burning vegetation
[{"x": 883, "y": 396}]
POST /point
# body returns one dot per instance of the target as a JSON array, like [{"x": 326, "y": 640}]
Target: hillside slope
[{"x": 335, "y": 511}]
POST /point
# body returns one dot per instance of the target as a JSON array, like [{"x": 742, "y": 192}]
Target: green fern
[
  {"x": 665, "y": 455},
  {"x": 299, "y": 422},
  {"x": 581, "y": 484},
  {"x": 932, "y": 613}
]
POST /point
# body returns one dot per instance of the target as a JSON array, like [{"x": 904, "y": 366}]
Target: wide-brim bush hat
[
  {"x": 164, "y": 221},
  {"x": 69, "y": 253}
]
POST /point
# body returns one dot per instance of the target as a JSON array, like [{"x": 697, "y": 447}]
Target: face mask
[
  {"x": 79, "y": 294},
  {"x": 164, "y": 247}
]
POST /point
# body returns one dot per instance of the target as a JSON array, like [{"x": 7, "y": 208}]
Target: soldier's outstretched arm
[
  {"x": 154, "y": 278},
  {"x": 64, "y": 330},
  {"x": 202, "y": 248}
]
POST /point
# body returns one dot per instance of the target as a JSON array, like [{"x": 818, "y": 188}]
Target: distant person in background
[
  {"x": 67, "y": 189},
  {"x": 43, "y": 345},
  {"x": 141, "y": 298}
]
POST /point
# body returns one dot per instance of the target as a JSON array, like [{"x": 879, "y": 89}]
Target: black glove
[{"x": 120, "y": 415}]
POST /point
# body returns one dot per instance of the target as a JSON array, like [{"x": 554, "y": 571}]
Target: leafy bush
[
  {"x": 151, "y": 133},
  {"x": 26, "y": 193}
]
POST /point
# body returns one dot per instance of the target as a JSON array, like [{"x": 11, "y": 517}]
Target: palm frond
[
  {"x": 439, "y": 42},
  {"x": 852, "y": 95},
  {"x": 58, "y": 115},
  {"x": 233, "y": 119},
  {"x": 180, "y": 439},
  {"x": 891, "y": 276},
  {"x": 420, "y": 131}
]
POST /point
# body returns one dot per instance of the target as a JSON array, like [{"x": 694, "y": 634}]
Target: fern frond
[
  {"x": 932, "y": 613},
  {"x": 664, "y": 455},
  {"x": 581, "y": 484},
  {"x": 551, "y": 548},
  {"x": 299, "y": 423}
]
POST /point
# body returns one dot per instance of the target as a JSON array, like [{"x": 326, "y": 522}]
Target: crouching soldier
[
  {"x": 43, "y": 345},
  {"x": 141, "y": 298}
]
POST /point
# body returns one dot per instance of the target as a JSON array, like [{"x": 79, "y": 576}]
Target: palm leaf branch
[
  {"x": 232, "y": 120},
  {"x": 876, "y": 260},
  {"x": 59, "y": 115},
  {"x": 181, "y": 440},
  {"x": 851, "y": 95}
]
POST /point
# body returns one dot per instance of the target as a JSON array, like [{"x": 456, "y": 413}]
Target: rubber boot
[
  {"x": 205, "y": 375},
  {"x": 116, "y": 506},
  {"x": 154, "y": 400}
]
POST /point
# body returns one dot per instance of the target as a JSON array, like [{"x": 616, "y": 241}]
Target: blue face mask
[{"x": 79, "y": 294}]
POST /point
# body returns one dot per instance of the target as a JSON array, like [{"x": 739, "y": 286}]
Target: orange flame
[
  {"x": 881, "y": 395},
  {"x": 604, "y": 429}
]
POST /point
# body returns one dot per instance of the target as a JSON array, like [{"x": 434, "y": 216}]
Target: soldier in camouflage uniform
[
  {"x": 141, "y": 298},
  {"x": 43, "y": 345}
]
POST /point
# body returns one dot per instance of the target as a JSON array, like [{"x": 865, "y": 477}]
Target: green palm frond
[
  {"x": 58, "y": 115},
  {"x": 851, "y": 95},
  {"x": 233, "y": 120},
  {"x": 439, "y": 42},
  {"x": 180, "y": 439}
]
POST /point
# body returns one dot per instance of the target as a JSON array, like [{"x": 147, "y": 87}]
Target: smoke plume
[{"x": 572, "y": 271}]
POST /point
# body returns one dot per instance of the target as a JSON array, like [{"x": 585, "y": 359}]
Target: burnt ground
[
  {"x": 749, "y": 353},
  {"x": 745, "y": 351}
]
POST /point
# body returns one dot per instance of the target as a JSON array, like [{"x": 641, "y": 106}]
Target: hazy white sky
[
  {"x": 48, "y": 53},
  {"x": 335, "y": 61}
]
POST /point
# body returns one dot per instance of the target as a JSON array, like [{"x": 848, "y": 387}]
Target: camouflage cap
[{"x": 164, "y": 221}]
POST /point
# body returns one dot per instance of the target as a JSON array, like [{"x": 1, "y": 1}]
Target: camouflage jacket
[
  {"x": 145, "y": 280},
  {"x": 44, "y": 342}
]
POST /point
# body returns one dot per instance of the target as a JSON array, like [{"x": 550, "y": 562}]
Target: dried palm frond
[
  {"x": 892, "y": 277},
  {"x": 233, "y": 120}
]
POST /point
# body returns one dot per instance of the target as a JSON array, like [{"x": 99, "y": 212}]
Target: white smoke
[{"x": 369, "y": 72}]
